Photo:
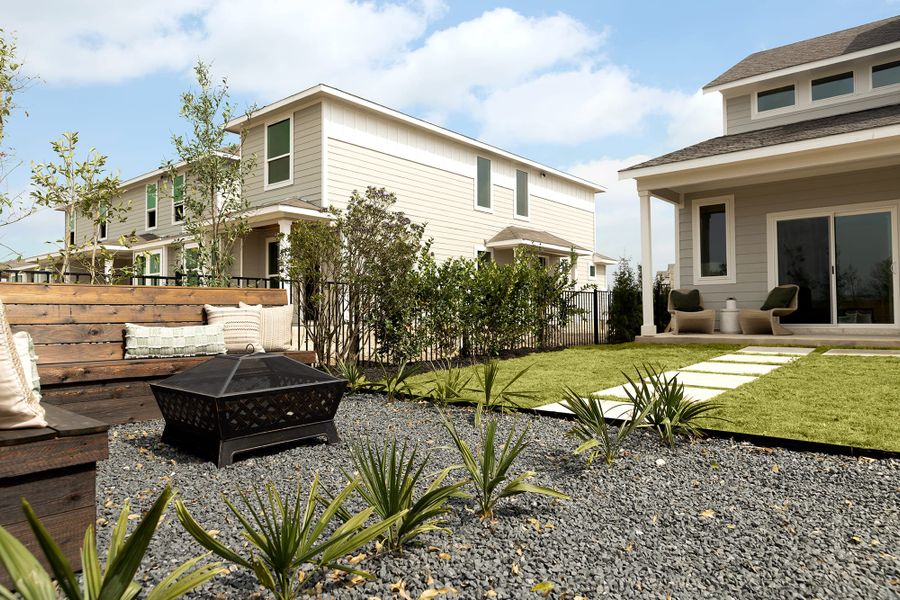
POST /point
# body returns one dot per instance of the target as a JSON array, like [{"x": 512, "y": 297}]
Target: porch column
[
  {"x": 108, "y": 270},
  {"x": 648, "y": 327},
  {"x": 284, "y": 232}
]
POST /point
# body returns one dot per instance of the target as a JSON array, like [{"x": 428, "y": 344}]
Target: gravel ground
[{"x": 712, "y": 519}]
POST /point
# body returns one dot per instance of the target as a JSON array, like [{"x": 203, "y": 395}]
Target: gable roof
[
  {"x": 782, "y": 134},
  {"x": 832, "y": 45},
  {"x": 518, "y": 236},
  {"x": 321, "y": 91}
]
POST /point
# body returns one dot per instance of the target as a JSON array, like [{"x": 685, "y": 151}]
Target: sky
[{"x": 588, "y": 87}]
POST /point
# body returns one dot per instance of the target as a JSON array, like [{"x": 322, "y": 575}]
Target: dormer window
[
  {"x": 886, "y": 74},
  {"x": 835, "y": 85},
  {"x": 776, "y": 98}
]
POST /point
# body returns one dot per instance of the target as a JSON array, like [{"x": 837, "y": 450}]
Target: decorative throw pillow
[
  {"x": 275, "y": 326},
  {"x": 686, "y": 301},
  {"x": 779, "y": 297},
  {"x": 19, "y": 408},
  {"x": 169, "y": 342},
  {"x": 25, "y": 349},
  {"x": 241, "y": 325}
]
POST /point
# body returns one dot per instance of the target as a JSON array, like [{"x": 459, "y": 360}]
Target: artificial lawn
[{"x": 588, "y": 369}]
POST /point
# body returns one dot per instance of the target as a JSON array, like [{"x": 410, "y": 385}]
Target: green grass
[{"x": 589, "y": 368}]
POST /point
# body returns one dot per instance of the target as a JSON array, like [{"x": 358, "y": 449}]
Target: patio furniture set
[{"x": 690, "y": 316}]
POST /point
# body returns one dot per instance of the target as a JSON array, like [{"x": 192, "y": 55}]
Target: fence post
[{"x": 596, "y": 314}]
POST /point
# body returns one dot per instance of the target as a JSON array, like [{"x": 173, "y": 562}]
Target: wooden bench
[
  {"x": 55, "y": 468},
  {"x": 78, "y": 331}
]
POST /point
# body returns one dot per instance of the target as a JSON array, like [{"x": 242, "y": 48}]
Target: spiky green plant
[
  {"x": 489, "y": 467},
  {"x": 667, "y": 409},
  {"x": 349, "y": 370},
  {"x": 491, "y": 394},
  {"x": 593, "y": 431},
  {"x": 111, "y": 581},
  {"x": 389, "y": 478},
  {"x": 394, "y": 383},
  {"x": 448, "y": 384},
  {"x": 285, "y": 535}
]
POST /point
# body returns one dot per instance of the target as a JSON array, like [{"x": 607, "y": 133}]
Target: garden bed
[{"x": 710, "y": 519}]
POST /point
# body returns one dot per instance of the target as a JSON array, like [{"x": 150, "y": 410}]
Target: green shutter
[
  {"x": 151, "y": 196},
  {"x": 483, "y": 176},
  {"x": 521, "y": 193}
]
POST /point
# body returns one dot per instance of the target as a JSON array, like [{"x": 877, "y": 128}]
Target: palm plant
[
  {"x": 593, "y": 430},
  {"x": 449, "y": 384},
  {"x": 665, "y": 406},
  {"x": 389, "y": 478},
  {"x": 491, "y": 394},
  {"x": 394, "y": 383},
  {"x": 284, "y": 536},
  {"x": 489, "y": 469},
  {"x": 349, "y": 370},
  {"x": 112, "y": 581}
]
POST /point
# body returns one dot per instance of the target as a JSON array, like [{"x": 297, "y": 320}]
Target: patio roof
[{"x": 520, "y": 236}]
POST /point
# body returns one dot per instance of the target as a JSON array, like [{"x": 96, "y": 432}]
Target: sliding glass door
[{"x": 844, "y": 265}]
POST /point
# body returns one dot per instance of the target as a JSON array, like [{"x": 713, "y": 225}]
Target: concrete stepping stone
[
  {"x": 694, "y": 393},
  {"x": 861, "y": 352},
  {"x": 710, "y": 380},
  {"x": 611, "y": 409},
  {"x": 791, "y": 350},
  {"x": 732, "y": 368},
  {"x": 759, "y": 359}
]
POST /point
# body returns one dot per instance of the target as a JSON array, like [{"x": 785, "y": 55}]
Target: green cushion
[
  {"x": 170, "y": 342},
  {"x": 686, "y": 302},
  {"x": 780, "y": 297}
]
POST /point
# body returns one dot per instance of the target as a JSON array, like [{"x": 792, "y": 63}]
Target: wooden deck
[{"x": 831, "y": 338}]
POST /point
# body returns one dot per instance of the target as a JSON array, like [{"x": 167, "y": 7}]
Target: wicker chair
[
  {"x": 702, "y": 321},
  {"x": 758, "y": 321}
]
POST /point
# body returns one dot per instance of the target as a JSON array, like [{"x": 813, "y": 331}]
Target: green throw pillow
[
  {"x": 686, "y": 302},
  {"x": 780, "y": 297}
]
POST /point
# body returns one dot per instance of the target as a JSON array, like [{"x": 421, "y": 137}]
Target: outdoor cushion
[
  {"x": 779, "y": 297},
  {"x": 19, "y": 407},
  {"x": 25, "y": 349},
  {"x": 170, "y": 342},
  {"x": 686, "y": 302},
  {"x": 242, "y": 326},
  {"x": 275, "y": 326}
]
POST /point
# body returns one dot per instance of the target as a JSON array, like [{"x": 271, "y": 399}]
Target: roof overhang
[
  {"x": 276, "y": 212},
  {"x": 322, "y": 91},
  {"x": 604, "y": 260},
  {"x": 547, "y": 248}
]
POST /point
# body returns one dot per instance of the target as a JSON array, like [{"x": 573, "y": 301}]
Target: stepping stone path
[
  {"x": 710, "y": 378},
  {"x": 861, "y": 352}
]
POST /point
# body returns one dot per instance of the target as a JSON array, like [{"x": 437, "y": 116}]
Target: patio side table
[{"x": 728, "y": 320}]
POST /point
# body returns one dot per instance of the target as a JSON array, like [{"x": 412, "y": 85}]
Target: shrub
[
  {"x": 662, "y": 400},
  {"x": 489, "y": 469},
  {"x": 389, "y": 477},
  {"x": 349, "y": 370},
  {"x": 394, "y": 383},
  {"x": 284, "y": 536},
  {"x": 448, "y": 384},
  {"x": 490, "y": 395},
  {"x": 625, "y": 312},
  {"x": 593, "y": 430},
  {"x": 112, "y": 581}
]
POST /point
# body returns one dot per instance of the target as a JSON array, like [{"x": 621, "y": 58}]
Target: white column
[
  {"x": 284, "y": 233},
  {"x": 648, "y": 327},
  {"x": 108, "y": 269}
]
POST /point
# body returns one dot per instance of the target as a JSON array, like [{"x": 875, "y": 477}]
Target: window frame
[
  {"x": 887, "y": 87},
  {"x": 476, "y": 181},
  {"x": 290, "y": 180},
  {"x": 477, "y": 252},
  {"x": 73, "y": 225},
  {"x": 730, "y": 268},
  {"x": 592, "y": 272},
  {"x": 103, "y": 225},
  {"x": 272, "y": 276},
  {"x": 527, "y": 215},
  {"x": 839, "y": 97},
  {"x": 146, "y": 275},
  {"x": 756, "y": 113},
  {"x": 155, "y": 208},
  {"x": 175, "y": 205}
]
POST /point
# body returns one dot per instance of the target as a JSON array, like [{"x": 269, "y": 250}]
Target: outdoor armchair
[
  {"x": 688, "y": 314},
  {"x": 780, "y": 302}
]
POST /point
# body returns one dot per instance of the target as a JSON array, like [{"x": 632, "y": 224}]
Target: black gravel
[{"x": 711, "y": 519}]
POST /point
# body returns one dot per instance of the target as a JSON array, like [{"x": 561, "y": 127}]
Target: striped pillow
[
  {"x": 170, "y": 342},
  {"x": 241, "y": 325},
  {"x": 25, "y": 349},
  {"x": 19, "y": 407},
  {"x": 275, "y": 327}
]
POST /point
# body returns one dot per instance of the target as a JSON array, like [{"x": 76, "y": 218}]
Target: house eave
[{"x": 563, "y": 250}]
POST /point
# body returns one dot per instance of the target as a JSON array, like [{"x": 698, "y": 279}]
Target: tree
[
  {"x": 625, "y": 311},
  {"x": 79, "y": 188},
  {"x": 214, "y": 204}
]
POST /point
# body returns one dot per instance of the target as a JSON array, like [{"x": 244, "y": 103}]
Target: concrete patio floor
[{"x": 831, "y": 338}]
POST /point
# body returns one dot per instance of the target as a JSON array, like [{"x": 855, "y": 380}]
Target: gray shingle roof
[
  {"x": 831, "y": 45},
  {"x": 782, "y": 134},
  {"x": 532, "y": 235}
]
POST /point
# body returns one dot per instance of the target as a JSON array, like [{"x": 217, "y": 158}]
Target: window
[
  {"x": 829, "y": 87},
  {"x": 139, "y": 266},
  {"x": 714, "y": 239},
  {"x": 886, "y": 74},
  {"x": 101, "y": 228},
  {"x": 72, "y": 220},
  {"x": 592, "y": 271},
  {"x": 521, "y": 193},
  {"x": 773, "y": 99},
  {"x": 484, "y": 256},
  {"x": 178, "y": 199},
  {"x": 542, "y": 260},
  {"x": 483, "y": 183},
  {"x": 151, "y": 206},
  {"x": 273, "y": 272},
  {"x": 279, "y": 170},
  {"x": 153, "y": 267},
  {"x": 190, "y": 267}
]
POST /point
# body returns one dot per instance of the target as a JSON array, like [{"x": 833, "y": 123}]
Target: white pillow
[
  {"x": 241, "y": 325},
  {"x": 25, "y": 350},
  {"x": 275, "y": 327},
  {"x": 19, "y": 408}
]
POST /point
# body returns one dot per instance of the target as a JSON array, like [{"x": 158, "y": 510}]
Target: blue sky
[{"x": 626, "y": 74}]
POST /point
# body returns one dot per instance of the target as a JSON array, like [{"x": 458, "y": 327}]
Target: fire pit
[{"x": 235, "y": 403}]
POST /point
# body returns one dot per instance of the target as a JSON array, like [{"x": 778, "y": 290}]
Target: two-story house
[
  {"x": 803, "y": 188},
  {"x": 313, "y": 149}
]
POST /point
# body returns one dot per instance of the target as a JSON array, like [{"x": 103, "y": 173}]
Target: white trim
[
  {"x": 832, "y": 211},
  {"x": 856, "y": 91},
  {"x": 730, "y": 266},
  {"x": 884, "y": 88},
  {"x": 281, "y": 210},
  {"x": 865, "y": 135},
  {"x": 324, "y": 201},
  {"x": 676, "y": 275},
  {"x": 326, "y": 91},
  {"x": 516, "y": 215},
  {"x": 174, "y": 221},
  {"x": 290, "y": 180},
  {"x": 166, "y": 169},
  {"x": 155, "y": 209},
  {"x": 475, "y": 205},
  {"x": 755, "y": 113},
  {"x": 594, "y": 276},
  {"x": 523, "y": 242},
  {"x": 163, "y": 267},
  {"x": 825, "y": 62},
  {"x": 482, "y": 248}
]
